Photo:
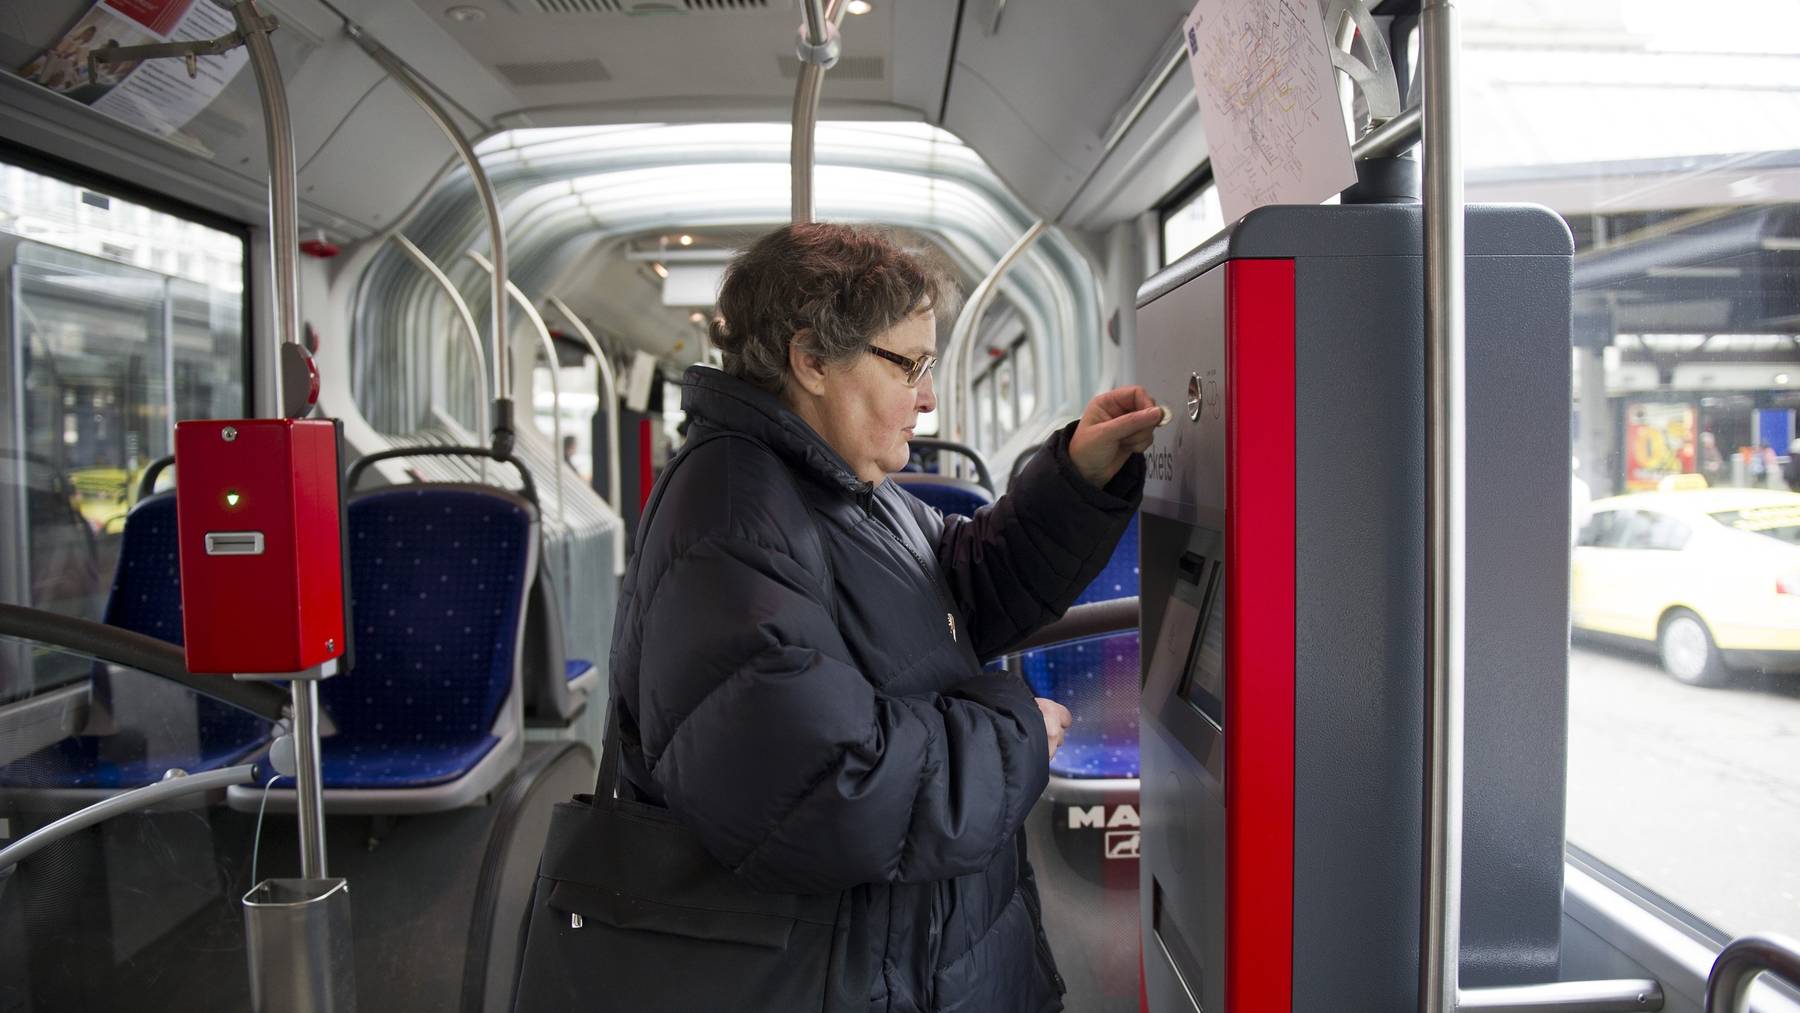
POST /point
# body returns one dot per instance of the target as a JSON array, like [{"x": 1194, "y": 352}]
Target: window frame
[{"x": 45, "y": 164}]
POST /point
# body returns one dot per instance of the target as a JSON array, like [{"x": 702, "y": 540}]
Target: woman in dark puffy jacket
[{"x": 797, "y": 667}]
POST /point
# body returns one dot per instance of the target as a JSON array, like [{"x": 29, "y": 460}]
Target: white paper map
[{"x": 1269, "y": 103}]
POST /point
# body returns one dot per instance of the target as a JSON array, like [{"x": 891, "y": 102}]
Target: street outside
[{"x": 1693, "y": 793}]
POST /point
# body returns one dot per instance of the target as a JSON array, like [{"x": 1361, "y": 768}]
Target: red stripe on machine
[{"x": 1259, "y": 645}]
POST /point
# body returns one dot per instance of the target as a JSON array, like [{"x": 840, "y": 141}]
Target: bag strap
[{"x": 606, "y": 784}]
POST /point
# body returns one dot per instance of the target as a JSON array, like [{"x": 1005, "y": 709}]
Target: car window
[
  {"x": 1634, "y": 529},
  {"x": 1668, "y": 533},
  {"x": 1598, "y": 528},
  {"x": 1781, "y": 523}
]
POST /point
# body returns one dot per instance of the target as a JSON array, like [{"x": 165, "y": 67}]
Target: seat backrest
[
  {"x": 146, "y": 588},
  {"x": 948, "y": 495},
  {"x": 438, "y": 580},
  {"x": 548, "y": 698},
  {"x": 1096, "y": 679}
]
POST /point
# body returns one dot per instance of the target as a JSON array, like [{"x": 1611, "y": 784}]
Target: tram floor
[{"x": 1693, "y": 793}]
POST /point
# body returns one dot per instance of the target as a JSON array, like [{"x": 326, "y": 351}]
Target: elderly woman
[{"x": 797, "y": 669}]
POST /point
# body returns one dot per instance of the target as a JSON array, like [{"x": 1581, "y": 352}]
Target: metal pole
[
  {"x": 818, "y": 51},
  {"x": 463, "y": 315},
  {"x": 308, "y": 791},
  {"x": 1739, "y": 964},
  {"x": 962, "y": 333},
  {"x": 284, "y": 208},
  {"x": 484, "y": 188},
  {"x": 609, "y": 393},
  {"x": 1445, "y": 443},
  {"x": 549, "y": 348},
  {"x": 174, "y": 784}
]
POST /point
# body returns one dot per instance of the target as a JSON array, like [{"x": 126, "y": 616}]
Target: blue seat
[
  {"x": 146, "y": 599},
  {"x": 430, "y": 717},
  {"x": 948, "y": 495},
  {"x": 1097, "y": 679}
]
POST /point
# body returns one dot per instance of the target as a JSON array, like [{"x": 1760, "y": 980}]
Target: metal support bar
[
  {"x": 308, "y": 781},
  {"x": 1739, "y": 964},
  {"x": 284, "y": 182},
  {"x": 962, "y": 333},
  {"x": 463, "y": 315},
  {"x": 817, "y": 50},
  {"x": 1441, "y": 917},
  {"x": 174, "y": 785},
  {"x": 548, "y": 345},
  {"x": 1634, "y": 995},
  {"x": 1391, "y": 138},
  {"x": 1091, "y": 620},
  {"x": 112, "y": 52},
  {"x": 609, "y": 399},
  {"x": 502, "y": 416}
]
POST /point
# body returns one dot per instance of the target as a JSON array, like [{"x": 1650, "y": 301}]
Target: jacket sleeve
[
  {"x": 760, "y": 733},
  {"x": 1017, "y": 565}
]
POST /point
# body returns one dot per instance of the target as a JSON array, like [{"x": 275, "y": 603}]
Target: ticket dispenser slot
[{"x": 259, "y": 509}]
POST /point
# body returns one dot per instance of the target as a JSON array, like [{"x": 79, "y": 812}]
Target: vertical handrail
[
  {"x": 1440, "y": 938},
  {"x": 502, "y": 417},
  {"x": 1741, "y": 962},
  {"x": 609, "y": 394},
  {"x": 466, "y": 318},
  {"x": 284, "y": 218},
  {"x": 818, "y": 50},
  {"x": 284, "y": 179},
  {"x": 962, "y": 332},
  {"x": 548, "y": 345}
]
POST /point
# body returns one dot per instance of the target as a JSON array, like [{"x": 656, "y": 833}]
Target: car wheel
[{"x": 1686, "y": 649}]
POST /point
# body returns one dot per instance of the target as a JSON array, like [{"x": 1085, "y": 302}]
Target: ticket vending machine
[{"x": 1284, "y": 606}]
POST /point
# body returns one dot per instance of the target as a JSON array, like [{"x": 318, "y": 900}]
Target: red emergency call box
[{"x": 260, "y": 512}]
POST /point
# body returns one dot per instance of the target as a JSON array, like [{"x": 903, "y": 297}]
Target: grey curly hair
[{"x": 840, "y": 284}]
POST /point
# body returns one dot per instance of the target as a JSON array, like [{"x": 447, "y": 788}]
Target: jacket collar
[{"x": 725, "y": 402}]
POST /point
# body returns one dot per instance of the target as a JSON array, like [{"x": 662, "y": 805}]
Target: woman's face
[{"x": 866, "y": 411}]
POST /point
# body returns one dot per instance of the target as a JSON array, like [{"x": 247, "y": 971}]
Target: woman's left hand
[{"x": 1116, "y": 424}]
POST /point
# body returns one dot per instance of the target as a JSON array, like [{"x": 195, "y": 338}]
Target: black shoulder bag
[{"x": 631, "y": 913}]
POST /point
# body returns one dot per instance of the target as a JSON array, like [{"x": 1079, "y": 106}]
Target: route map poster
[
  {"x": 152, "y": 95},
  {"x": 1269, "y": 102}
]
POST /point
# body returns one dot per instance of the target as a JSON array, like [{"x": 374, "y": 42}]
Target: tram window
[
  {"x": 1191, "y": 223},
  {"x": 107, "y": 352},
  {"x": 1025, "y": 363},
  {"x": 1006, "y": 406},
  {"x": 1684, "y": 406}
]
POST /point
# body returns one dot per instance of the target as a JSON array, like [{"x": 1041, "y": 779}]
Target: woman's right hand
[{"x": 1057, "y": 720}]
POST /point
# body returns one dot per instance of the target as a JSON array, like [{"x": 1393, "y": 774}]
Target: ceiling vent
[
  {"x": 850, "y": 68},
  {"x": 645, "y": 6},
  {"x": 537, "y": 75}
]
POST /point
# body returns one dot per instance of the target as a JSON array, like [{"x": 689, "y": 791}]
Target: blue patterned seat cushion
[
  {"x": 575, "y": 668},
  {"x": 118, "y": 762},
  {"x": 437, "y": 581},
  {"x": 1097, "y": 680},
  {"x": 399, "y": 764},
  {"x": 949, "y": 499}
]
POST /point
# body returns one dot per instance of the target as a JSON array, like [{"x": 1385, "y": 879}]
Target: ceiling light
[
  {"x": 698, "y": 317},
  {"x": 686, "y": 240},
  {"x": 466, "y": 15},
  {"x": 1781, "y": 378},
  {"x": 859, "y": 6},
  {"x": 661, "y": 271}
]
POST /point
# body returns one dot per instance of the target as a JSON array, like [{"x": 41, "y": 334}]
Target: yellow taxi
[{"x": 1711, "y": 577}]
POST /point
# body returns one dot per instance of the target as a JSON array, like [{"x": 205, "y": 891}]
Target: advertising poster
[
  {"x": 1659, "y": 442},
  {"x": 152, "y": 95}
]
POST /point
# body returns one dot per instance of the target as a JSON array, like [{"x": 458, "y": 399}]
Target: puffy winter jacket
[{"x": 797, "y": 665}]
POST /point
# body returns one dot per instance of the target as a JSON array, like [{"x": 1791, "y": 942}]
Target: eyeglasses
[{"x": 915, "y": 368}]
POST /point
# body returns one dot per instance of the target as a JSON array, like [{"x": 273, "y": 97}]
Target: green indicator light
[{"x": 232, "y": 497}]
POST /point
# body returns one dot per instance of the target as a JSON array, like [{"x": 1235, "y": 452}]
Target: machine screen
[{"x": 1203, "y": 683}]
